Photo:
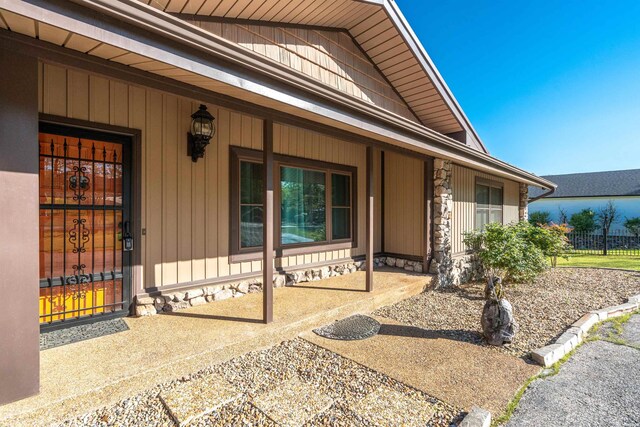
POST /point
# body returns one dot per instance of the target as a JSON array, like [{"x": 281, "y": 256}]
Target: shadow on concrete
[{"x": 212, "y": 317}]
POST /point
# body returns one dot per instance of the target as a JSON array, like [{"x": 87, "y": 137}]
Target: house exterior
[
  {"x": 593, "y": 190},
  {"x": 336, "y": 141}
]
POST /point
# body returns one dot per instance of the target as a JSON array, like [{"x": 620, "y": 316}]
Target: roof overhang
[{"x": 176, "y": 50}]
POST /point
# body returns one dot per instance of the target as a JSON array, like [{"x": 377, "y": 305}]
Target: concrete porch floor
[{"x": 83, "y": 376}]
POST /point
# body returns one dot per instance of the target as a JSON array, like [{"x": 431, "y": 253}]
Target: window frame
[
  {"x": 237, "y": 253},
  {"x": 490, "y": 184}
]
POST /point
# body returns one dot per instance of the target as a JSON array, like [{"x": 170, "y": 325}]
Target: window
[
  {"x": 250, "y": 204},
  {"x": 488, "y": 203},
  {"x": 303, "y": 201},
  {"x": 313, "y": 202}
]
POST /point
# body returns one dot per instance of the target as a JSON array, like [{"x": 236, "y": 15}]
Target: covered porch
[{"x": 85, "y": 375}]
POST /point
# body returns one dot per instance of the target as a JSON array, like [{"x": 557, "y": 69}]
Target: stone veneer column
[
  {"x": 523, "y": 205},
  {"x": 442, "y": 263}
]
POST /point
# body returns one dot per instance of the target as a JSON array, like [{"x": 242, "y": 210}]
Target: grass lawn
[{"x": 626, "y": 262}]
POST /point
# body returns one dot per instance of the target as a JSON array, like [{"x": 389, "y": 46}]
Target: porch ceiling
[
  {"x": 377, "y": 26},
  {"x": 89, "y": 37}
]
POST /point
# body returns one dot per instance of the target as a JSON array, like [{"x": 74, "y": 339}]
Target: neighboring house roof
[{"x": 594, "y": 184}]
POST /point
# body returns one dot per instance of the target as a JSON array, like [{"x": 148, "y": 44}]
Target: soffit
[{"x": 393, "y": 48}]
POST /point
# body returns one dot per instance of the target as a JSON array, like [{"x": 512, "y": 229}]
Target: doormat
[
  {"x": 73, "y": 334},
  {"x": 356, "y": 327}
]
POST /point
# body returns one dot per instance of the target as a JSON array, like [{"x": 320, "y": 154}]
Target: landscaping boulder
[{"x": 498, "y": 324}]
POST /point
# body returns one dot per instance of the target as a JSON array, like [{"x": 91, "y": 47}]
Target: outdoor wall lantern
[{"x": 202, "y": 129}]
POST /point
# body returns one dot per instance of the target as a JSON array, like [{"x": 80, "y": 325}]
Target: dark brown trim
[
  {"x": 243, "y": 254},
  {"x": 267, "y": 222},
  {"x": 370, "y": 222},
  {"x": 382, "y": 193},
  {"x": 428, "y": 214}
]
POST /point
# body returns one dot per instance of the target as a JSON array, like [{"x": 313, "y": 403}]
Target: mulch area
[{"x": 543, "y": 309}]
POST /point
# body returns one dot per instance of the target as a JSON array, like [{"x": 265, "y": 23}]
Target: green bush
[
  {"x": 539, "y": 218},
  {"x": 514, "y": 252},
  {"x": 633, "y": 225},
  {"x": 583, "y": 221}
]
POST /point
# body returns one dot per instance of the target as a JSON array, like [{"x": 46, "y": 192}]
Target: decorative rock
[
  {"x": 243, "y": 287},
  {"x": 209, "y": 298},
  {"x": 477, "y": 417},
  {"x": 172, "y": 306},
  {"x": 145, "y": 300},
  {"x": 391, "y": 261},
  {"x": 417, "y": 268},
  {"x": 238, "y": 294},
  {"x": 279, "y": 280},
  {"x": 325, "y": 272},
  {"x": 400, "y": 263},
  {"x": 145, "y": 310},
  {"x": 498, "y": 323},
  {"x": 193, "y": 294},
  {"x": 197, "y": 301},
  {"x": 177, "y": 297},
  {"x": 255, "y": 288},
  {"x": 222, "y": 295}
]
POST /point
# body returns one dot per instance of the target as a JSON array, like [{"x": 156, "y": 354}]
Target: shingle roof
[{"x": 594, "y": 184}]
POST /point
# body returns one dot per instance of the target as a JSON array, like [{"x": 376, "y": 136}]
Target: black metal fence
[{"x": 616, "y": 242}]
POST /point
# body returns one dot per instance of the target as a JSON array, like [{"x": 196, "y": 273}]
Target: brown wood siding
[
  {"x": 403, "y": 204},
  {"x": 330, "y": 57},
  {"x": 464, "y": 202},
  {"x": 185, "y": 205}
]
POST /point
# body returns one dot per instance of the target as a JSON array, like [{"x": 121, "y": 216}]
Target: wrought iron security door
[{"x": 84, "y": 272}]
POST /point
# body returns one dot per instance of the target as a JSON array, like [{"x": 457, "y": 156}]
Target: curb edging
[
  {"x": 572, "y": 337},
  {"x": 477, "y": 417}
]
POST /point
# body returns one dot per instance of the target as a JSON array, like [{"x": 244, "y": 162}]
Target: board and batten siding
[
  {"x": 330, "y": 57},
  {"x": 185, "y": 205},
  {"x": 463, "y": 187},
  {"x": 403, "y": 205}
]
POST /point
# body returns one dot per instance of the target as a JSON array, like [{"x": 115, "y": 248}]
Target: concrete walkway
[
  {"x": 456, "y": 372},
  {"x": 83, "y": 376},
  {"x": 598, "y": 386}
]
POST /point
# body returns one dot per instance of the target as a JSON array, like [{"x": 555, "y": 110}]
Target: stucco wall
[{"x": 628, "y": 207}]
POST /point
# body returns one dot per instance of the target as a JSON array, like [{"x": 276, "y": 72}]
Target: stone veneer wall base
[{"x": 175, "y": 301}]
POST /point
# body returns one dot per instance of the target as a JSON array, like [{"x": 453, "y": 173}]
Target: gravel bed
[
  {"x": 254, "y": 373},
  {"x": 543, "y": 309}
]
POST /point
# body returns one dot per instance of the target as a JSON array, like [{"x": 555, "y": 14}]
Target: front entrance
[{"x": 84, "y": 221}]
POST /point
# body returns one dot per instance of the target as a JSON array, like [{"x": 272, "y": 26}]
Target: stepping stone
[
  {"x": 293, "y": 403},
  {"x": 193, "y": 399},
  {"x": 388, "y": 407}
]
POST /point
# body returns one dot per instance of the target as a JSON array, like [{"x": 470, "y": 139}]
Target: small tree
[
  {"x": 633, "y": 226},
  {"x": 539, "y": 218},
  {"x": 562, "y": 214},
  {"x": 555, "y": 243},
  {"x": 606, "y": 217},
  {"x": 583, "y": 221}
]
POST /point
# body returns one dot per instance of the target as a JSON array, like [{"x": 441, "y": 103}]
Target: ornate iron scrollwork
[
  {"x": 79, "y": 235},
  {"x": 79, "y": 183}
]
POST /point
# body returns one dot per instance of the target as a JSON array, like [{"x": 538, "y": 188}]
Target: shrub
[
  {"x": 583, "y": 221},
  {"x": 554, "y": 242},
  {"x": 539, "y": 218},
  {"x": 633, "y": 226},
  {"x": 513, "y": 252}
]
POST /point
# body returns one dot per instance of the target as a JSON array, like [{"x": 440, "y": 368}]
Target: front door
[{"x": 84, "y": 216}]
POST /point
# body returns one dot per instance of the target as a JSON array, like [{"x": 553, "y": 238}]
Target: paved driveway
[{"x": 598, "y": 386}]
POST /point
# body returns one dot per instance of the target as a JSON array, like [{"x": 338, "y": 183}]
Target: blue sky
[{"x": 550, "y": 86}]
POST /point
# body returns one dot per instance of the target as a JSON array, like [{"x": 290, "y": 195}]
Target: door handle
[{"x": 127, "y": 238}]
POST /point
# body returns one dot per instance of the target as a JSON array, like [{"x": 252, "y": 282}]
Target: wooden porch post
[
  {"x": 428, "y": 215},
  {"x": 267, "y": 222},
  {"x": 369, "y": 239}
]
